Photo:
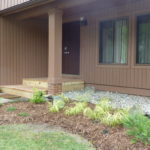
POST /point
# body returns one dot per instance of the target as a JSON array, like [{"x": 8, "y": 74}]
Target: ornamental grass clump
[
  {"x": 104, "y": 113},
  {"x": 56, "y": 106},
  {"x": 138, "y": 126},
  {"x": 114, "y": 118},
  {"x": 88, "y": 112},
  {"x": 77, "y": 109},
  {"x": 64, "y": 98},
  {"x": 38, "y": 97},
  {"x": 105, "y": 104}
]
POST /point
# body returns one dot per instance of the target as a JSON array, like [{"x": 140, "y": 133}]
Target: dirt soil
[{"x": 102, "y": 137}]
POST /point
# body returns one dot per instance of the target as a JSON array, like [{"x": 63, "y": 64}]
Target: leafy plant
[
  {"x": 77, "y": 109},
  {"x": 100, "y": 111},
  {"x": 106, "y": 114},
  {"x": 11, "y": 109},
  {"x": 88, "y": 112},
  {"x": 56, "y": 106},
  {"x": 104, "y": 104},
  {"x": 64, "y": 98},
  {"x": 115, "y": 118},
  {"x": 85, "y": 97},
  {"x": 139, "y": 127},
  {"x": 38, "y": 97},
  {"x": 23, "y": 114}
]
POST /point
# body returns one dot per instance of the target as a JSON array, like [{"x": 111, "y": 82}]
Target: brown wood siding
[
  {"x": 128, "y": 76},
  {"x": 24, "y": 51},
  {"x": 4, "y": 4}
]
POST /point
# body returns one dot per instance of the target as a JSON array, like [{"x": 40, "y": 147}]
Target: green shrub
[
  {"x": 77, "y": 109},
  {"x": 23, "y": 114},
  {"x": 38, "y": 97},
  {"x": 139, "y": 127},
  {"x": 56, "y": 106},
  {"x": 11, "y": 109}
]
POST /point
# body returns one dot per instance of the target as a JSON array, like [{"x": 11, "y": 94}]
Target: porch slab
[{"x": 26, "y": 89}]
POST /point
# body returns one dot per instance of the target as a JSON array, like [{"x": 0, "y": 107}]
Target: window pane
[
  {"x": 114, "y": 41},
  {"x": 143, "y": 40},
  {"x": 107, "y": 42},
  {"x": 121, "y": 41}
]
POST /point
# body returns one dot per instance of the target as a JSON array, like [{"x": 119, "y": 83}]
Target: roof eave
[{"x": 24, "y": 6}]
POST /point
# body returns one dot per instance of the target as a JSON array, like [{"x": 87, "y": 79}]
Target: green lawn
[{"x": 22, "y": 137}]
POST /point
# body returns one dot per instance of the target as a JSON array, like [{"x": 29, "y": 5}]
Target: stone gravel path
[{"x": 117, "y": 100}]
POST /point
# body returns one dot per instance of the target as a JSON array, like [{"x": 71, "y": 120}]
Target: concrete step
[
  {"x": 72, "y": 85},
  {"x": 20, "y": 90},
  {"x": 8, "y": 96},
  {"x": 67, "y": 84},
  {"x": 36, "y": 82}
]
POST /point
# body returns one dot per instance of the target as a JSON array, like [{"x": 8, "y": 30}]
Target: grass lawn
[{"x": 23, "y": 137}]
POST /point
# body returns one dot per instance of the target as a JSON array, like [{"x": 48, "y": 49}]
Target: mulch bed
[{"x": 102, "y": 137}]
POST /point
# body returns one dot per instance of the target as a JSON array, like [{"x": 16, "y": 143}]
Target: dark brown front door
[{"x": 71, "y": 48}]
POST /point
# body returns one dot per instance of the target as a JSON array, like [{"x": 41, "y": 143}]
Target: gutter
[{"x": 24, "y": 6}]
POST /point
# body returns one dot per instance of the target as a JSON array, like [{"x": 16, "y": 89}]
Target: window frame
[
  {"x": 113, "y": 19},
  {"x": 137, "y": 40}
]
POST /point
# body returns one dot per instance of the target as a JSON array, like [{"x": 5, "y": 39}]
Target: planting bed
[{"x": 102, "y": 137}]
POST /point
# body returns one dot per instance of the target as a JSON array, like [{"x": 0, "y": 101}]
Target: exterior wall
[
  {"x": 24, "y": 51},
  {"x": 4, "y": 4},
  {"x": 124, "y": 78}
]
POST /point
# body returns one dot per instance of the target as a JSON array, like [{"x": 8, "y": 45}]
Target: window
[
  {"x": 113, "y": 41},
  {"x": 143, "y": 40}
]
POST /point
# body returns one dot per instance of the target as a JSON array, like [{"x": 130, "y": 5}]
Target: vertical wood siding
[
  {"x": 23, "y": 53},
  {"x": 4, "y": 4},
  {"x": 129, "y": 76}
]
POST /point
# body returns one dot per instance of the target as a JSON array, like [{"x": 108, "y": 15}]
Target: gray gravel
[{"x": 117, "y": 100}]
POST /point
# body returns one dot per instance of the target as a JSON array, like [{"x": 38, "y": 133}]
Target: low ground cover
[
  {"x": 27, "y": 137},
  {"x": 102, "y": 136}
]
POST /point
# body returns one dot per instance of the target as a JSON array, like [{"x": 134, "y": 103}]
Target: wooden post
[{"x": 55, "y": 51}]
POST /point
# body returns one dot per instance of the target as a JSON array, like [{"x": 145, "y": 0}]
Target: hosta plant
[
  {"x": 77, "y": 109},
  {"x": 56, "y": 106},
  {"x": 38, "y": 97}
]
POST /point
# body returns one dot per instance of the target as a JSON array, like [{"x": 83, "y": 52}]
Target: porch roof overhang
[
  {"x": 35, "y": 8},
  {"x": 24, "y": 6}
]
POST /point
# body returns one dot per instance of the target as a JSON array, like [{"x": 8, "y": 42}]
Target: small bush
[
  {"x": 23, "y": 114},
  {"x": 77, "y": 109},
  {"x": 38, "y": 97},
  {"x": 56, "y": 106},
  {"x": 11, "y": 109},
  {"x": 139, "y": 127}
]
